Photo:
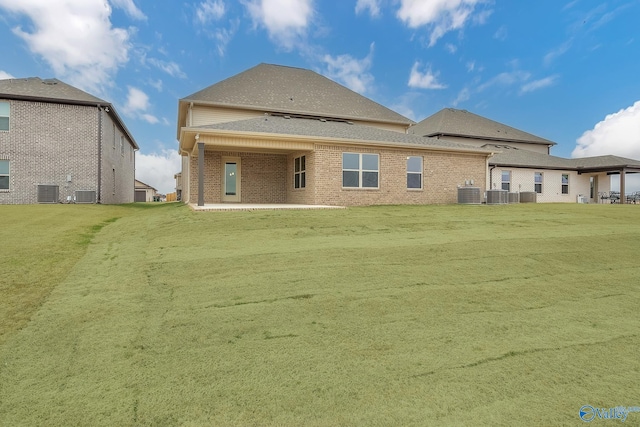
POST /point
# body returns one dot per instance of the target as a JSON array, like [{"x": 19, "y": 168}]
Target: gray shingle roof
[
  {"x": 452, "y": 122},
  {"x": 509, "y": 156},
  {"x": 606, "y": 162},
  {"x": 289, "y": 90},
  {"x": 56, "y": 91},
  {"x": 49, "y": 89},
  {"x": 337, "y": 129}
]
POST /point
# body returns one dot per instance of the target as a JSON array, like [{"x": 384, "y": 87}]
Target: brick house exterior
[
  {"x": 60, "y": 144},
  {"x": 522, "y": 162},
  {"x": 276, "y": 134}
]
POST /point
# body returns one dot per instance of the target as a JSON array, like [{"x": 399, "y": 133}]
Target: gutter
[{"x": 332, "y": 140}]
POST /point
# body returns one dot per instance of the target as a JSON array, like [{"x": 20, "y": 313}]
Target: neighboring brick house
[
  {"x": 275, "y": 134},
  {"x": 144, "y": 192},
  {"x": 523, "y": 163},
  {"x": 60, "y": 144}
]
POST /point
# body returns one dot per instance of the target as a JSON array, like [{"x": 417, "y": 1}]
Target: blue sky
[{"x": 565, "y": 70}]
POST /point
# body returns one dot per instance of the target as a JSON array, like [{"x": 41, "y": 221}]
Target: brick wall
[
  {"x": 442, "y": 173},
  {"x": 268, "y": 178},
  {"x": 49, "y": 143},
  {"x": 114, "y": 159},
  {"x": 263, "y": 177}
]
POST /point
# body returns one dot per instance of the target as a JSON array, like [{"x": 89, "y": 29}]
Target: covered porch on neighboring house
[{"x": 609, "y": 165}]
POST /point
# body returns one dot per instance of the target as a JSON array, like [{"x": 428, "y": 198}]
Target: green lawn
[{"x": 399, "y": 316}]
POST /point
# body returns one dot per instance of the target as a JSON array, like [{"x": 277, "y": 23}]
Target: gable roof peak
[
  {"x": 462, "y": 123},
  {"x": 291, "y": 90}
]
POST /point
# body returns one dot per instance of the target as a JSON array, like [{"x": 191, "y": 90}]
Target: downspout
[{"x": 99, "y": 154}]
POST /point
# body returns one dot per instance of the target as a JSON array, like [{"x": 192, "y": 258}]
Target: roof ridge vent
[{"x": 50, "y": 82}]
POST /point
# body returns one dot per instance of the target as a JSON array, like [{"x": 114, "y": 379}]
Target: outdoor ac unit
[
  {"x": 85, "y": 196},
  {"x": 48, "y": 194},
  {"x": 497, "y": 197},
  {"x": 469, "y": 195}
]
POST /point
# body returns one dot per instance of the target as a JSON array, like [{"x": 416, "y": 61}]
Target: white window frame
[
  {"x": 300, "y": 172},
  {"x": 502, "y": 173},
  {"x": 8, "y": 175},
  {"x": 362, "y": 171},
  {"x": 413, "y": 173},
  {"x": 563, "y": 185},
  {"x": 8, "y": 116},
  {"x": 536, "y": 183}
]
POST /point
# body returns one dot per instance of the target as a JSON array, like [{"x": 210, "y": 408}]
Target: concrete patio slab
[{"x": 256, "y": 207}]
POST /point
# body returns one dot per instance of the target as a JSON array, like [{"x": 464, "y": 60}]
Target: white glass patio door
[{"x": 231, "y": 179}]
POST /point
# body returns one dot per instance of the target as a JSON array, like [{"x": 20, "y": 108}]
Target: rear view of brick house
[{"x": 59, "y": 144}]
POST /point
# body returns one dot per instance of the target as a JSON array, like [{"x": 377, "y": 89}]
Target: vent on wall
[
  {"x": 85, "y": 196},
  {"x": 48, "y": 194}
]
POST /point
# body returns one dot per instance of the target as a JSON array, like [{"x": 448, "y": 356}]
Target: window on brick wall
[
  {"x": 4, "y": 115},
  {"x": 565, "y": 183},
  {"x": 360, "y": 170},
  {"x": 538, "y": 182},
  {"x": 506, "y": 180},
  {"x": 299, "y": 172},
  {"x": 4, "y": 174},
  {"x": 414, "y": 172}
]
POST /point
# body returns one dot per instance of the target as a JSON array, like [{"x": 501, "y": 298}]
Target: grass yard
[{"x": 428, "y": 315}]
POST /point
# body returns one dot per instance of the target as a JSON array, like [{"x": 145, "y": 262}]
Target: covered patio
[{"x": 612, "y": 165}]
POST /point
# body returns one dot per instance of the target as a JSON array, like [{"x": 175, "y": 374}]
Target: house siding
[
  {"x": 522, "y": 180},
  {"x": 47, "y": 143}
]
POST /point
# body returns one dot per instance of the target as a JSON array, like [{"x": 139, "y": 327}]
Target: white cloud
[
  {"x": 501, "y": 33},
  {"x": 169, "y": 67},
  {"x": 440, "y": 16},
  {"x": 137, "y": 106},
  {"x": 4, "y": 75},
  {"x": 130, "y": 8},
  {"x": 157, "y": 84},
  {"x": 157, "y": 169},
  {"x": 373, "y": 6},
  {"x": 286, "y": 21},
  {"x": 538, "y": 84},
  {"x": 463, "y": 95},
  {"x": 210, "y": 10},
  {"x": 137, "y": 101},
  {"x": 617, "y": 134},
  {"x": 75, "y": 37},
  {"x": 557, "y": 52},
  {"x": 149, "y": 118},
  {"x": 508, "y": 78},
  {"x": 424, "y": 80},
  {"x": 353, "y": 73}
]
